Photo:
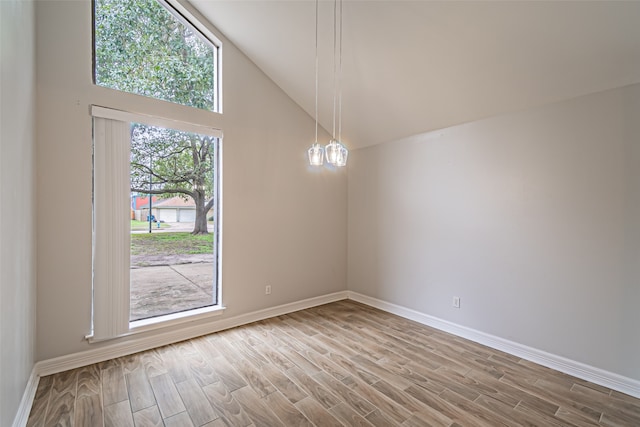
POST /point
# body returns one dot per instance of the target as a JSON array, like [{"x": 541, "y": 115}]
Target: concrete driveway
[{"x": 165, "y": 289}]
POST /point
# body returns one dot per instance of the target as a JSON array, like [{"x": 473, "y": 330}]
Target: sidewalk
[{"x": 165, "y": 289}]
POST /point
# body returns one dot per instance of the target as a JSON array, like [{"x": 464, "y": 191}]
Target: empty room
[{"x": 329, "y": 213}]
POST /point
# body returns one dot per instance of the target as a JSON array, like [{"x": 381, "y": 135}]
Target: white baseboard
[
  {"x": 577, "y": 369},
  {"x": 22, "y": 416},
  {"x": 76, "y": 360}
]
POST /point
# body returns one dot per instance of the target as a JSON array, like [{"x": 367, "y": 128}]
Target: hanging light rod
[{"x": 316, "y": 152}]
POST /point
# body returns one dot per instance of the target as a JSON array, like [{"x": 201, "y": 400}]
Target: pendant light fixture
[
  {"x": 335, "y": 152},
  {"x": 316, "y": 152}
]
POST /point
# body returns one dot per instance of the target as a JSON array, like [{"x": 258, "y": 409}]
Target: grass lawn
[
  {"x": 171, "y": 244},
  {"x": 144, "y": 225}
]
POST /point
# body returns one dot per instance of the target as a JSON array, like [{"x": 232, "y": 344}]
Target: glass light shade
[
  {"x": 336, "y": 153},
  {"x": 332, "y": 151},
  {"x": 343, "y": 153},
  {"x": 316, "y": 155}
]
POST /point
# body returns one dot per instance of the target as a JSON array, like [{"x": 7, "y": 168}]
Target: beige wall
[
  {"x": 533, "y": 219},
  {"x": 17, "y": 203},
  {"x": 271, "y": 198}
]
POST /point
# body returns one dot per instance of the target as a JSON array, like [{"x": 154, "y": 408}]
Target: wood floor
[{"x": 339, "y": 364}]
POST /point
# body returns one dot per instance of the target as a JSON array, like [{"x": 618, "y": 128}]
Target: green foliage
[
  {"x": 173, "y": 162},
  {"x": 140, "y": 47}
]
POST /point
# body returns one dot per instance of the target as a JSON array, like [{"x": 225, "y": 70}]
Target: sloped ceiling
[{"x": 414, "y": 66}]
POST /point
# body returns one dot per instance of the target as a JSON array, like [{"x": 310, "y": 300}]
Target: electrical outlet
[
  {"x": 267, "y": 290},
  {"x": 456, "y": 302}
]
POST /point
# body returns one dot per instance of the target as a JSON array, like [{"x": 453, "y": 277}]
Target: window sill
[
  {"x": 161, "y": 322},
  {"x": 175, "y": 318}
]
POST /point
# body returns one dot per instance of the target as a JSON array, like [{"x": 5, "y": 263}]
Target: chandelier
[{"x": 335, "y": 152}]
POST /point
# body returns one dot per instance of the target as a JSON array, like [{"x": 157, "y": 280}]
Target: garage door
[
  {"x": 167, "y": 215},
  {"x": 187, "y": 215}
]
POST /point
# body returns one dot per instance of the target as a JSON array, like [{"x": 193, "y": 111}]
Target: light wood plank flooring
[{"x": 339, "y": 364}]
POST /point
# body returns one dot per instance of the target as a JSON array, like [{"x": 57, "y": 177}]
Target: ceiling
[{"x": 414, "y": 66}]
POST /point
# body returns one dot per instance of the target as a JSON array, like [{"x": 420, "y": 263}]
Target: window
[
  {"x": 146, "y": 275},
  {"x": 156, "y": 182},
  {"x": 147, "y": 48},
  {"x": 173, "y": 176}
]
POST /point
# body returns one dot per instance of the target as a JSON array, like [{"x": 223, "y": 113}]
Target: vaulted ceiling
[{"x": 414, "y": 66}]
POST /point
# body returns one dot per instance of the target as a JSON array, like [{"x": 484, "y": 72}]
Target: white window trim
[
  {"x": 163, "y": 322},
  {"x": 146, "y": 119},
  {"x": 111, "y": 285}
]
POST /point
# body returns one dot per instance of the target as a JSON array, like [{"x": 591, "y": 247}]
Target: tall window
[
  {"x": 145, "y": 47},
  {"x": 173, "y": 176},
  {"x": 156, "y": 221},
  {"x": 156, "y": 179}
]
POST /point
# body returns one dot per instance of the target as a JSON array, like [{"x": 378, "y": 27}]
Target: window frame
[
  {"x": 111, "y": 311},
  {"x": 157, "y": 114}
]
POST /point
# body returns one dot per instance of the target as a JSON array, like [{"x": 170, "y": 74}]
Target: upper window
[{"x": 145, "y": 47}]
